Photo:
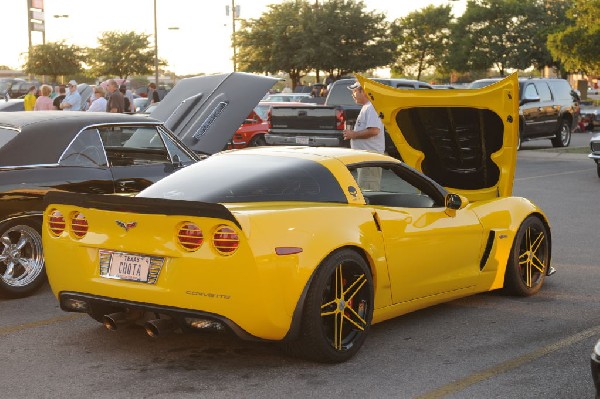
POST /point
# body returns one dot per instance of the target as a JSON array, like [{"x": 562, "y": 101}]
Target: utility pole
[
  {"x": 233, "y": 44},
  {"x": 155, "y": 48}
]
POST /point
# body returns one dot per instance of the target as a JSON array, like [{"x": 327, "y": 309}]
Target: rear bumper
[
  {"x": 312, "y": 141},
  {"x": 97, "y": 306}
]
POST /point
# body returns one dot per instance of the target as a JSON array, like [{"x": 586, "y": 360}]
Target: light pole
[{"x": 155, "y": 48}]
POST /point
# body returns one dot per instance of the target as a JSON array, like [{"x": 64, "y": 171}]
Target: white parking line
[{"x": 508, "y": 365}]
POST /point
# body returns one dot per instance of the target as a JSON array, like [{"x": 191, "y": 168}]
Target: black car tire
[
  {"x": 563, "y": 136},
  {"x": 598, "y": 169},
  {"x": 529, "y": 258},
  {"x": 20, "y": 246},
  {"x": 349, "y": 303},
  {"x": 258, "y": 141}
]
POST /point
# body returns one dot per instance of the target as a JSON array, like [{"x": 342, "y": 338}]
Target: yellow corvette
[{"x": 282, "y": 243}]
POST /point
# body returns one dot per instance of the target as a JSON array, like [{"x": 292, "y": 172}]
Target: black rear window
[{"x": 250, "y": 178}]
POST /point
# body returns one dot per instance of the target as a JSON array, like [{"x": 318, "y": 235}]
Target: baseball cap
[
  {"x": 72, "y": 83},
  {"x": 354, "y": 85}
]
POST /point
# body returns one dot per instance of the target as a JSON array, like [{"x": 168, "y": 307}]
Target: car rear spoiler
[{"x": 159, "y": 206}]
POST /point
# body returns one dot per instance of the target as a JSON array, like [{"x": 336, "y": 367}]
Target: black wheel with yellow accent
[
  {"x": 338, "y": 309},
  {"x": 529, "y": 259}
]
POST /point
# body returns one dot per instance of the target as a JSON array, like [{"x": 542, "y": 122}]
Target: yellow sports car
[{"x": 283, "y": 244}]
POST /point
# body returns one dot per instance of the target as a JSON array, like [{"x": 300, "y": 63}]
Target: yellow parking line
[
  {"x": 39, "y": 323},
  {"x": 508, "y": 365}
]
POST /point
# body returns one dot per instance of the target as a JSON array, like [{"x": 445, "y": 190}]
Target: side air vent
[{"x": 488, "y": 249}]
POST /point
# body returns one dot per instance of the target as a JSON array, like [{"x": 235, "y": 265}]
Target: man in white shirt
[
  {"x": 99, "y": 103},
  {"x": 72, "y": 101},
  {"x": 368, "y": 134}
]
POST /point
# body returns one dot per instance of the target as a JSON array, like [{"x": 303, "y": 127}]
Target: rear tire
[
  {"x": 22, "y": 269},
  {"x": 338, "y": 310},
  {"x": 529, "y": 259},
  {"x": 563, "y": 136},
  {"x": 598, "y": 169}
]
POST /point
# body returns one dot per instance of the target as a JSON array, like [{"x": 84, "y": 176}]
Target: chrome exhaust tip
[
  {"x": 114, "y": 320},
  {"x": 157, "y": 327}
]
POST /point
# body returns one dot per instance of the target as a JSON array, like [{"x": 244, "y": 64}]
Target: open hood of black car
[{"x": 205, "y": 111}]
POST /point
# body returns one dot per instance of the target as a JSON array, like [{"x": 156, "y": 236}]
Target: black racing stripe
[{"x": 156, "y": 206}]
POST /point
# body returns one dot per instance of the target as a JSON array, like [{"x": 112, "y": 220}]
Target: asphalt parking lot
[{"x": 486, "y": 346}]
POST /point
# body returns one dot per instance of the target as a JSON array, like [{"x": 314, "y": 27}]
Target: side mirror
[
  {"x": 525, "y": 100},
  {"x": 456, "y": 202}
]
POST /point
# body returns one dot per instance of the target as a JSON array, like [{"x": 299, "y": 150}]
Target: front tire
[
  {"x": 563, "y": 136},
  {"x": 22, "y": 269},
  {"x": 598, "y": 169},
  {"x": 258, "y": 141},
  {"x": 338, "y": 310},
  {"x": 529, "y": 259}
]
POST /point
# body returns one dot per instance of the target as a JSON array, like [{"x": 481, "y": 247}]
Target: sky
[{"x": 200, "y": 44}]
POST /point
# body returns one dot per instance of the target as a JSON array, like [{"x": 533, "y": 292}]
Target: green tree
[
  {"x": 54, "y": 60},
  {"x": 295, "y": 37},
  {"x": 122, "y": 54},
  {"x": 577, "y": 45},
  {"x": 349, "y": 38},
  {"x": 273, "y": 42},
  {"x": 422, "y": 39},
  {"x": 495, "y": 33}
]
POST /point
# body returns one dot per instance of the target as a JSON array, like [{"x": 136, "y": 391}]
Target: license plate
[
  {"x": 302, "y": 140},
  {"x": 125, "y": 266}
]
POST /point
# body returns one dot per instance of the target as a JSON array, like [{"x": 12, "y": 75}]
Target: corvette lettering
[{"x": 209, "y": 295}]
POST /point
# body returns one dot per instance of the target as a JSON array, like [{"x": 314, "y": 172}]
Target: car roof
[
  {"x": 28, "y": 120},
  {"x": 43, "y": 136}
]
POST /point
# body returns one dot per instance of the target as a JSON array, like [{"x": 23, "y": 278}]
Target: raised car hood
[
  {"x": 466, "y": 140},
  {"x": 205, "y": 111}
]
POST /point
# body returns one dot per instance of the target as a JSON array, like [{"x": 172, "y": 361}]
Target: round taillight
[
  {"x": 79, "y": 225},
  {"x": 226, "y": 240},
  {"x": 56, "y": 222},
  {"x": 190, "y": 236}
]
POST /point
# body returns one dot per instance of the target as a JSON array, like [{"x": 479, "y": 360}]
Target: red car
[{"x": 253, "y": 130}]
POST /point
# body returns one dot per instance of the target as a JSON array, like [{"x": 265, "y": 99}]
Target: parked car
[
  {"x": 595, "y": 363},
  {"x": 255, "y": 127},
  {"x": 595, "y": 151},
  {"x": 16, "y": 87},
  {"x": 12, "y": 105},
  {"x": 286, "y": 97},
  {"x": 548, "y": 109},
  {"x": 590, "y": 116},
  {"x": 104, "y": 153},
  {"x": 288, "y": 244}
]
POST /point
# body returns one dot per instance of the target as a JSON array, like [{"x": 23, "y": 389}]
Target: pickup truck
[{"x": 322, "y": 125}]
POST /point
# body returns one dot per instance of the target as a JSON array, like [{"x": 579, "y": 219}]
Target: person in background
[
  {"x": 115, "y": 99},
  {"x": 287, "y": 88},
  {"x": 72, "y": 101},
  {"x": 29, "y": 99},
  {"x": 126, "y": 101},
  {"x": 61, "y": 91},
  {"x": 152, "y": 94},
  {"x": 99, "y": 101},
  {"x": 368, "y": 134},
  {"x": 44, "y": 102}
]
